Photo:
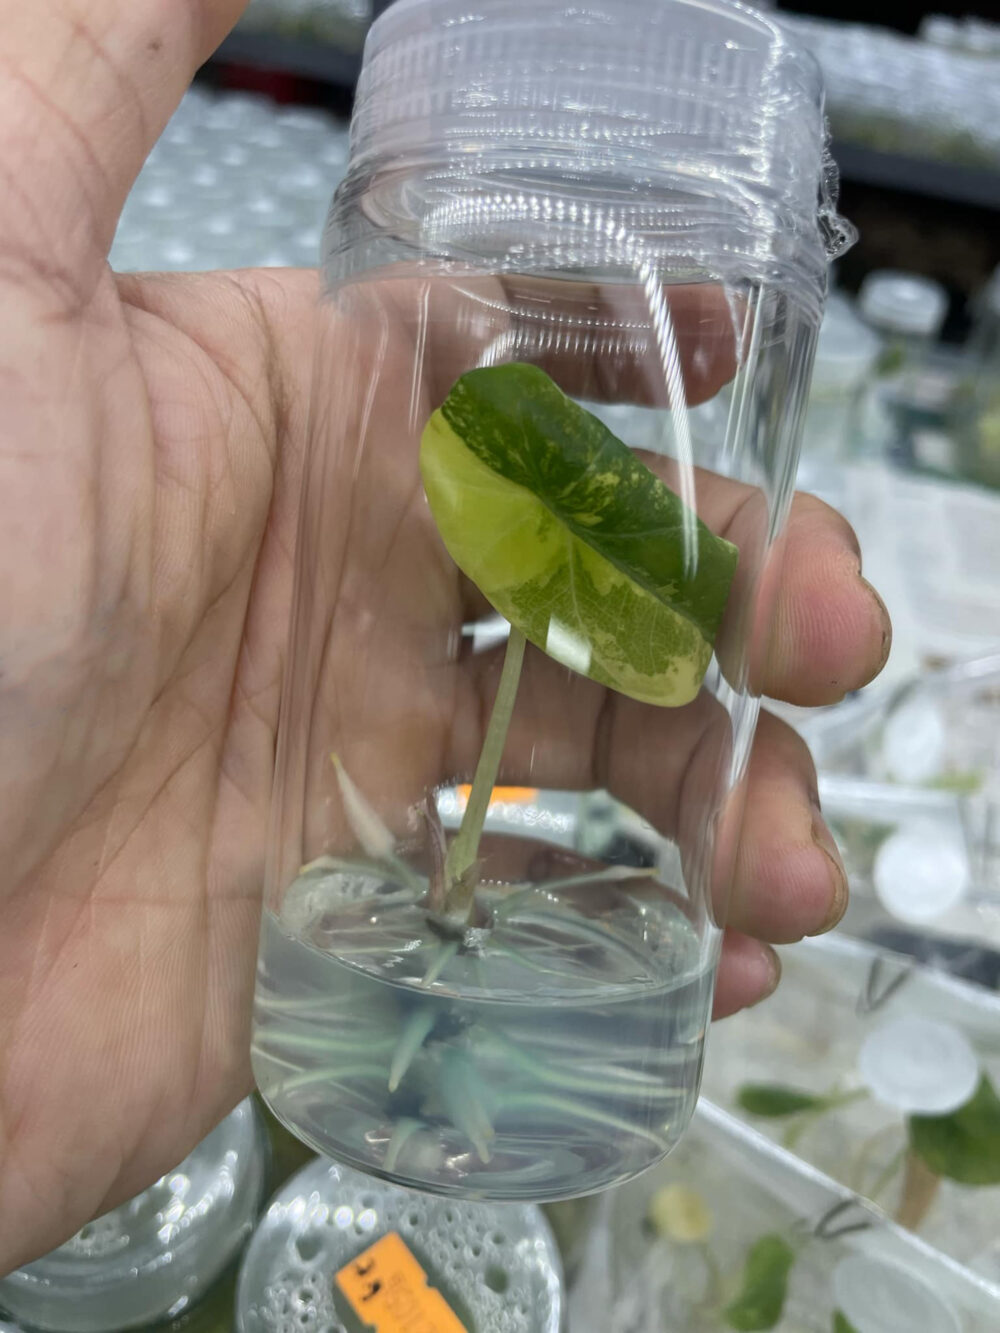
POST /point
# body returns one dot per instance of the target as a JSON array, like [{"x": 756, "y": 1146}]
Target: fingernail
[
  {"x": 772, "y": 962},
  {"x": 824, "y": 840},
  {"x": 884, "y": 616}
]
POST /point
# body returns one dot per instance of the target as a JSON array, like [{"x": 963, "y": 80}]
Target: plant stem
[
  {"x": 920, "y": 1188},
  {"x": 804, "y": 1120},
  {"x": 464, "y": 850},
  {"x": 860, "y": 1162},
  {"x": 886, "y": 1174}
]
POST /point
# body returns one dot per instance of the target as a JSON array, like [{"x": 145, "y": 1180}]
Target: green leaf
[
  {"x": 765, "y": 1286},
  {"x": 964, "y": 1145},
  {"x": 572, "y": 538},
  {"x": 963, "y": 783},
  {"x": 773, "y": 1100},
  {"x": 891, "y": 359},
  {"x": 841, "y": 1323}
]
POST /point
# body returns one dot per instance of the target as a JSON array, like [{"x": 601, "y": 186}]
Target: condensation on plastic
[{"x": 696, "y": 129}]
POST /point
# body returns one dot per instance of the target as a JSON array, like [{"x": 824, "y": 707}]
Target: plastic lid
[
  {"x": 919, "y": 1066},
  {"x": 881, "y": 1297},
  {"x": 921, "y": 872},
  {"x": 915, "y": 741},
  {"x": 496, "y": 1265},
  {"x": 903, "y": 302},
  {"x": 705, "y": 98},
  {"x": 846, "y": 350},
  {"x": 157, "y": 1254}
]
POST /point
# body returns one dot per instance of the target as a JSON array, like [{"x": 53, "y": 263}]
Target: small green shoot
[
  {"x": 773, "y": 1100},
  {"x": 964, "y": 1145},
  {"x": 761, "y": 1300},
  {"x": 841, "y": 1323}
]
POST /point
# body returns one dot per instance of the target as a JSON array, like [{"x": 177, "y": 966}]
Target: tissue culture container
[
  {"x": 484, "y": 1268},
  {"x": 572, "y": 284},
  {"x": 161, "y": 1259}
]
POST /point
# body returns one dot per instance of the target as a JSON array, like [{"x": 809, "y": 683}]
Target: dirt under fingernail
[{"x": 825, "y": 841}]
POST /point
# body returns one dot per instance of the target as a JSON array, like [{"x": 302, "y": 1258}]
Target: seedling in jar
[
  {"x": 578, "y": 545},
  {"x": 593, "y": 560},
  {"x": 585, "y": 552}
]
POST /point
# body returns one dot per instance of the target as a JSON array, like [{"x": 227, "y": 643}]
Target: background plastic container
[
  {"x": 733, "y": 1232},
  {"x": 153, "y": 1258},
  {"x": 897, "y": 1068}
]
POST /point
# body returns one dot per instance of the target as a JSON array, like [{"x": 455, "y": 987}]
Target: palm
[
  {"x": 144, "y": 740},
  {"x": 152, "y": 435}
]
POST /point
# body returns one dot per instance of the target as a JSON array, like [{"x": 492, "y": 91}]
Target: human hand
[{"x": 153, "y": 432}]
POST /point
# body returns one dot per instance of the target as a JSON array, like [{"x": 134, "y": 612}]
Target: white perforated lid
[
  {"x": 921, "y": 871},
  {"x": 919, "y": 1065},
  {"x": 496, "y": 1265},
  {"x": 915, "y": 741}
]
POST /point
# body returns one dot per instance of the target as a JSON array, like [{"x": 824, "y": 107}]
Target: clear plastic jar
[
  {"x": 156, "y": 1257},
  {"x": 449, "y": 1265},
  {"x": 907, "y": 311},
  {"x": 845, "y": 357},
  {"x": 552, "y": 215}
]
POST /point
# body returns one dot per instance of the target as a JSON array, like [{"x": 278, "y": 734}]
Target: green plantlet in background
[
  {"x": 761, "y": 1300},
  {"x": 964, "y": 1145},
  {"x": 841, "y": 1323},
  {"x": 774, "y": 1101},
  {"x": 963, "y": 784}
]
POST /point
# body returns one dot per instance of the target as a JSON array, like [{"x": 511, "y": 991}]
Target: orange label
[
  {"x": 388, "y": 1290},
  {"x": 510, "y": 795}
]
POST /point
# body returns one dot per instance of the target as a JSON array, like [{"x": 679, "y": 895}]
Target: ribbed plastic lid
[
  {"x": 712, "y": 97},
  {"x": 903, "y": 302}
]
